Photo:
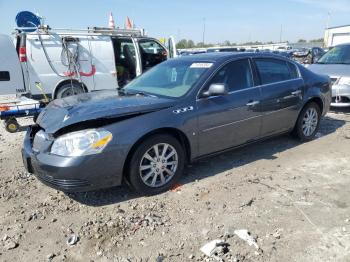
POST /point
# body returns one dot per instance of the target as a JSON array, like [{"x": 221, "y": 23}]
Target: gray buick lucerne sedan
[{"x": 175, "y": 113}]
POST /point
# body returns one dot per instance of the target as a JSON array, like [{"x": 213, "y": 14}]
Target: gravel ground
[{"x": 293, "y": 198}]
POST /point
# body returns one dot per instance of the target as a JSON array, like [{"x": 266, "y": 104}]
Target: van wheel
[
  {"x": 11, "y": 125},
  {"x": 308, "y": 122},
  {"x": 69, "y": 90},
  {"x": 156, "y": 165}
]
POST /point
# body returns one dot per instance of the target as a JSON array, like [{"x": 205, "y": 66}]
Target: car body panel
[
  {"x": 205, "y": 125},
  {"x": 226, "y": 121},
  {"x": 280, "y": 104},
  {"x": 92, "y": 106}
]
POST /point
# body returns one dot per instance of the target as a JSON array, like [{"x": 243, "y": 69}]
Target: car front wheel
[
  {"x": 156, "y": 164},
  {"x": 308, "y": 122}
]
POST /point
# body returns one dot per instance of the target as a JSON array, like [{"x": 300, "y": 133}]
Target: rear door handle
[
  {"x": 296, "y": 93},
  {"x": 253, "y": 103}
]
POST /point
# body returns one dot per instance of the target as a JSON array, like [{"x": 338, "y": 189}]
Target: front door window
[{"x": 152, "y": 53}]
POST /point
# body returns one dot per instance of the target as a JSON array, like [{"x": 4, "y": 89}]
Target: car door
[
  {"x": 11, "y": 78},
  {"x": 282, "y": 92},
  {"x": 172, "y": 51},
  {"x": 151, "y": 53},
  {"x": 233, "y": 119}
]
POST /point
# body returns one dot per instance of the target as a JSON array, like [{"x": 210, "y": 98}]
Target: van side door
[
  {"x": 11, "y": 77},
  {"x": 102, "y": 56}
]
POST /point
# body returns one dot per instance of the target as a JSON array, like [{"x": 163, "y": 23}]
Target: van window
[
  {"x": 235, "y": 75},
  {"x": 125, "y": 60},
  {"x": 152, "y": 53},
  {"x": 272, "y": 70}
]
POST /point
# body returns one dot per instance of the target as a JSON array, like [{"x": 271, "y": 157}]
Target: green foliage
[{"x": 320, "y": 40}]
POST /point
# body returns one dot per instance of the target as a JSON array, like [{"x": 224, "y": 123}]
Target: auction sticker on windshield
[{"x": 201, "y": 65}]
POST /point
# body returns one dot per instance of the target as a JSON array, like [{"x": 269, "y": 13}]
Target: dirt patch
[{"x": 293, "y": 198}]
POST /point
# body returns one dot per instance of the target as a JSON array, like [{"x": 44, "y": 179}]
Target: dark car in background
[
  {"x": 177, "y": 112},
  {"x": 308, "y": 55},
  {"x": 223, "y": 49}
]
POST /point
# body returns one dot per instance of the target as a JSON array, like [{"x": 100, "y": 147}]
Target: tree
[
  {"x": 182, "y": 44},
  {"x": 320, "y": 40},
  {"x": 302, "y": 41},
  {"x": 190, "y": 44},
  {"x": 227, "y": 43}
]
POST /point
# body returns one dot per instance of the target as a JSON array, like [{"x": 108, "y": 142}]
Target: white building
[{"x": 337, "y": 35}]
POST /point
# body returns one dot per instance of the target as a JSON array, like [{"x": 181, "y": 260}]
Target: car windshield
[
  {"x": 173, "y": 78},
  {"x": 337, "y": 55}
]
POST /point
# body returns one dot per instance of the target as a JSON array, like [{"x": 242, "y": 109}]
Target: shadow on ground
[{"x": 212, "y": 166}]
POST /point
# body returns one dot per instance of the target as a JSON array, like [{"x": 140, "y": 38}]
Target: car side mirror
[{"x": 216, "y": 90}]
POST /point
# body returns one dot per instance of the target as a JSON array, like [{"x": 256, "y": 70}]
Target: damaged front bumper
[
  {"x": 72, "y": 174},
  {"x": 340, "y": 96}
]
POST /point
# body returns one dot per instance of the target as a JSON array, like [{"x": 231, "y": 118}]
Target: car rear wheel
[
  {"x": 308, "y": 122},
  {"x": 156, "y": 165},
  {"x": 69, "y": 90}
]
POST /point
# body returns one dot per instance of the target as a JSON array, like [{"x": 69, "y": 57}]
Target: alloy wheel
[
  {"x": 310, "y": 121},
  {"x": 158, "y": 165}
]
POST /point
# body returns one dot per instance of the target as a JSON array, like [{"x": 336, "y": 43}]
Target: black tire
[
  {"x": 133, "y": 173},
  {"x": 298, "y": 130},
  {"x": 69, "y": 90},
  {"x": 11, "y": 125}
]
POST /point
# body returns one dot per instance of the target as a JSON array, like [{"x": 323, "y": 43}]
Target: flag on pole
[
  {"x": 129, "y": 24},
  {"x": 111, "y": 24}
]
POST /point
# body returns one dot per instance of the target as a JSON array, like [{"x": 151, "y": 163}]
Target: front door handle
[
  {"x": 253, "y": 103},
  {"x": 296, "y": 93}
]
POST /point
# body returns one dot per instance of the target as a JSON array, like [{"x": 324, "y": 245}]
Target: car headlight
[
  {"x": 343, "y": 81},
  {"x": 81, "y": 143}
]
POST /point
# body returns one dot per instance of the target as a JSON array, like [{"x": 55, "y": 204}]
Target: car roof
[
  {"x": 345, "y": 44},
  {"x": 223, "y": 56}
]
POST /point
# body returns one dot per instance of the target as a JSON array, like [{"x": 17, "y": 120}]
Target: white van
[{"x": 63, "y": 62}]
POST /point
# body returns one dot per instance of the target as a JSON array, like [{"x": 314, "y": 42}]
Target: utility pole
[
  {"x": 203, "y": 40},
  {"x": 281, "y": 34},
  {"x": 328, "y": 20}
]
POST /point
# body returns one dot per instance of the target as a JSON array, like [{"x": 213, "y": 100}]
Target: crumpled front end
[{"x": 70, "y": 174}]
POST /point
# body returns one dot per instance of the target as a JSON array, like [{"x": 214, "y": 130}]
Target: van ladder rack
[{"x": 89, "y": 31}]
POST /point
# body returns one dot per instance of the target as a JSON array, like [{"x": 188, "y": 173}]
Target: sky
[{"x": 235, "y": 20}]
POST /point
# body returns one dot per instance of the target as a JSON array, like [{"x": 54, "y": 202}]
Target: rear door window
[
  {"x": 293, "y": 70},
  {"x": 272, "y": 70}
]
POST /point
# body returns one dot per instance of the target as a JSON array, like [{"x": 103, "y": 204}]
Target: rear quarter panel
[{"x": 316, "y": 86}]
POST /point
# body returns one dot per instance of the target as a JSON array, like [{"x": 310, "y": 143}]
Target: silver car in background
[{"x": 336, "y": 64}]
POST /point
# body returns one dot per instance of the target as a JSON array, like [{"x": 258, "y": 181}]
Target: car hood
[
  {"x": 101, "y": 105},
  {"x": 331, "y": 70}
]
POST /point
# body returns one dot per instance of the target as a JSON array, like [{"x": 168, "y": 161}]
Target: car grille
[
  {"x": 63, "y": 183},
  {"x": 340, "y": 99}
]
